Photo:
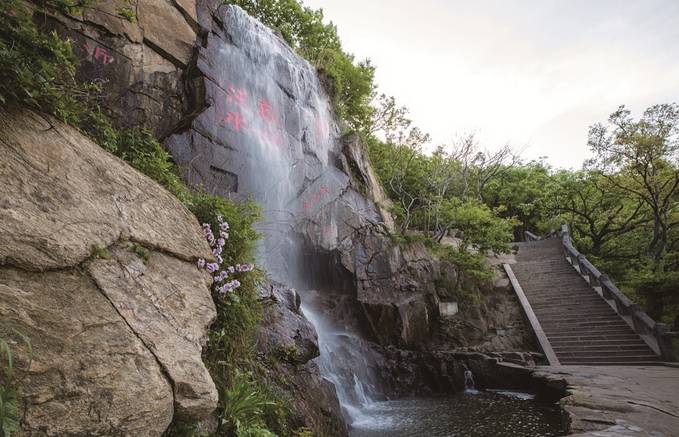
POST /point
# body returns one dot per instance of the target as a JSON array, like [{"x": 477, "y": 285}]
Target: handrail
[
  {"x": 657, "y": 335},
  {"x": 529, "y": 236}
]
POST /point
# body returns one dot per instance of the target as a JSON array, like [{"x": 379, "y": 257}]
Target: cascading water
[{"x": 269, "y": 133}]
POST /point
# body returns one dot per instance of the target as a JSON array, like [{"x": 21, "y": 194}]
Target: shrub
[
  {"x": 242, "y": 408},
  {"x": 9, "y": 414}
]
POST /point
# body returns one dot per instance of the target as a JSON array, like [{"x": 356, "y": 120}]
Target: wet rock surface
[
  {"x": 288, "y": 348},
  {"x": 422, "y": 374},
  {"x": 117, "y": 337}
]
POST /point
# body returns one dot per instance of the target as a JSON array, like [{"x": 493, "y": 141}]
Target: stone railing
[
  {"x": 656, "y": 335},
  {"x": 529, "y": 236}
]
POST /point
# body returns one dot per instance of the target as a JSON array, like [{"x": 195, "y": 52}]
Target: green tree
[
  {"x": 522, "y": 192},
  {"x": 476, "y": 225},
  {"x": 596, "y": 209},
  {"x": 641, "y": 157}
]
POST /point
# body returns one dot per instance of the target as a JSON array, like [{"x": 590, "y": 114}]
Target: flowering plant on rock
[{"x": 223, "y": 282}]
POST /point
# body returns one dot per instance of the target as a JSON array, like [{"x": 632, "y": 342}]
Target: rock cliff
[{"x": 118, "y": 335}]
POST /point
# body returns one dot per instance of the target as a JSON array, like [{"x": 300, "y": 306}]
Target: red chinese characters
[
  {"x": 237, "y": 112},
  {"x": 265, "y": 111},
  {"x": 236, "y": 96},
  {"x": 235, "y": 121},
  {"x": 229, "y": 110},
  {"x": 97, "y": 53},
  {"x": 315, "y": 198}
]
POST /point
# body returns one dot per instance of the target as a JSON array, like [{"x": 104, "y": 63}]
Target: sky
[{"x": 534, "y": 74}]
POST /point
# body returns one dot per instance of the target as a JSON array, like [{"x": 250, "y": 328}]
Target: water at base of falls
[{"x": 483, "y": 414}]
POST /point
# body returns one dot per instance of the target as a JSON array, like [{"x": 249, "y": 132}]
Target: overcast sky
[{"x": 533, "y": 73}]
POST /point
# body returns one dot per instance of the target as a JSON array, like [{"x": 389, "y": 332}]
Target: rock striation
[{"x": 97, "y": 268}]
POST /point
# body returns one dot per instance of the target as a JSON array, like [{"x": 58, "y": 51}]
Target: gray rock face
[
  {"x": 495, "y": 323},
  {"x": 138, "y": 63},
  {"x": 117, "y": 339}
]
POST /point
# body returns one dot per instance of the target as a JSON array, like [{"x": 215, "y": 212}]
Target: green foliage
[
  {"x": 127, "y": 13},
  {"x": 477, "y": 226},
  {"x": 659, "y": 292},
  {"x": 432, "y": 192},
  {"x": 142, "y": 252},
  {"x": 142, "y": 151},
  {"x": 523, "y": 193},
  {"x": 641, "y": 158},
  {"x": 242, "y": 408},
  {"x": 99, "y": 252},
  {"x": 471, "y": 266},
  {"x": 9, "y": 413},
  {"x": 36, "y": 68},
  {"x": 349, "y": 83},
  {"x": 303, "y": 432}
]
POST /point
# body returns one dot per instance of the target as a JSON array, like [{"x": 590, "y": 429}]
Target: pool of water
[{"x": 475, "y": 414}]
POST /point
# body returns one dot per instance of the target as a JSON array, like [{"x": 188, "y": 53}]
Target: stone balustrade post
[{"x": 661, "y": 332}]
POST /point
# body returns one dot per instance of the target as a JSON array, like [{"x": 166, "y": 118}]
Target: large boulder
[{"x": 97, "y": 269}]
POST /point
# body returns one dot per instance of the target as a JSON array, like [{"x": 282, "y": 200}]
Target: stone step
[
  {"x": 584, "y": 323},
  {"x": 556, "y": 304},
  {"x": 569, "y": 312},
  {"x": 584, "y": 290},
  {"x": 559, "y": 349},
  {"x": 591, "y": 333},
  {"x": 597, "y": 340},
  {"x": 577, "y": 331},
  {"x": 606, "y": 359},
  {"x": 579, "y": 319}
]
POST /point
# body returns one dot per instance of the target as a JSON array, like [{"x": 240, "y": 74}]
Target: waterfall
[
  {"x": 469, "y": 384},
  {"x": 269, "y": 133}
]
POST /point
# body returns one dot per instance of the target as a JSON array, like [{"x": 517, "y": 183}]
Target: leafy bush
[
  {"x": 9, "y": 414},
  {"x": 659, "y": 293},
  {"x": 36, "y": 68},
  {"x": 471, "y": 266},
  {"x": 242, "y": 409}
]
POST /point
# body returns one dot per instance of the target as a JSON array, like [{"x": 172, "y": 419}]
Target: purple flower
[
  {"x": 221, "y": 241},
  {"x": 212, "y": 267},
  {"x": 220, "y": 219},
  {"x": 201, "y": 263}
]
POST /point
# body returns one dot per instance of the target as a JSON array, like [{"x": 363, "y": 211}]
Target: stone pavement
[{"x": 618, "y": 401}]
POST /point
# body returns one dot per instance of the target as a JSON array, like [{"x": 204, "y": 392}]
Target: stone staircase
[{"x": 578, "y": 323}]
